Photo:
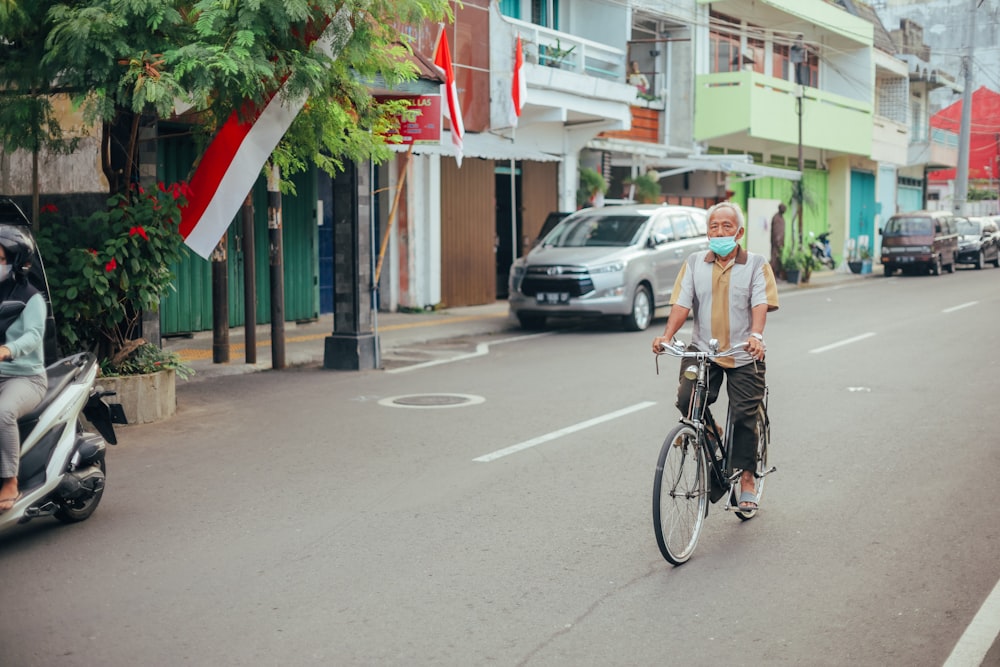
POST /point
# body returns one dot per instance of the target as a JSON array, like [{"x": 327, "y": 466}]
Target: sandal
[
  {"x": 7, "y": 504},
  {"x": 748, "y": 502}
]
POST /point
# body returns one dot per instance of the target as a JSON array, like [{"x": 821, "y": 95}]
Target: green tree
[{"x": 127, "y": 63}]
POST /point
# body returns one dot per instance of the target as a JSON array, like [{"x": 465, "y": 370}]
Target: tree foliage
[{"x": 126, "y": 62}]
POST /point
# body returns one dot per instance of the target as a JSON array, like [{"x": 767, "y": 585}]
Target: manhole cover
[{"x": 431, "y": 401}]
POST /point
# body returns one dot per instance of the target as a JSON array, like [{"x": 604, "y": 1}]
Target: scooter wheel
[{"x": 74, "y": 511}]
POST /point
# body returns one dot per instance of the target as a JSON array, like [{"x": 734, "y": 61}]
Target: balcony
[
  {"x": 572, "y": 79},
  {"x": 750, "y": 104},
  {"x": 940, "y": 151}
]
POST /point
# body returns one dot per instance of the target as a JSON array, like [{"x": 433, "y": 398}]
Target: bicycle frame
[{"x": 700, "y": 418}]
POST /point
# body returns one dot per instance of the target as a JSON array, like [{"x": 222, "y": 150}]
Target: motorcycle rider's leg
[{"x": 18, "y": 396}]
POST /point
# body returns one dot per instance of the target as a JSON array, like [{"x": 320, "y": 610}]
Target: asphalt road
[{"x": 310, "y": 517}]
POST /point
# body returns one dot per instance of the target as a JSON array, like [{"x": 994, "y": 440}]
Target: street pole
[
  {"x": 962, "y": 172},
  {"x": 220, "y": 304},
  {"x": 276, "y": 268},
  {"x": 249, "y": 283}
]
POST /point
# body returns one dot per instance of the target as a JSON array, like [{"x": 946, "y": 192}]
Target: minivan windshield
[
  {"x": 969, "y": 227},
  {"x": 903, "y": 226},
  {"x": 596, "y": 230}
]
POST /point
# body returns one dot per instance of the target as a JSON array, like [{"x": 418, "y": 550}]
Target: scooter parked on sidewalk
[
  {"x": 820, "y": 248},
  {"x": 62, "y": 470}
]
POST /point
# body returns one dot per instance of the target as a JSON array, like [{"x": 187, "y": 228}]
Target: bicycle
[{"x": 694, "y": 463}]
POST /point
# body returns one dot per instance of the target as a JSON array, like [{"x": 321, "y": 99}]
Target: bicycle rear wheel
[
  {"x": 763, "y": 438},
  {"x": 680, "y": 494}
]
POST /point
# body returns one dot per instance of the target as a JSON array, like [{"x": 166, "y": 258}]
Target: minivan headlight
[{"x": 613, "y": 267}]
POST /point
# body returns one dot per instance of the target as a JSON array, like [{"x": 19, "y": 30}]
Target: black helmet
[{"x": 18, "y": 246}]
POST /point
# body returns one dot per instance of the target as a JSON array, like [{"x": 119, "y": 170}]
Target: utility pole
[
  {"x": 962, "y": 172},
  {"x": 797, "y": 56}
]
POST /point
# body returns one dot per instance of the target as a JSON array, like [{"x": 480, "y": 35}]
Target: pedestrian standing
[{"x": 778, "y": 240}]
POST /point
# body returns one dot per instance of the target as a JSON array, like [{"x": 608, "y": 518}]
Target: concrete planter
[{"x": 145, "y": 398}]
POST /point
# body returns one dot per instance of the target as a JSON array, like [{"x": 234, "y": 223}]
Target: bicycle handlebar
[{"x": 678, "y": 350}]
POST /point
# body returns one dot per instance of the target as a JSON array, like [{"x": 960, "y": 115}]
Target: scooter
[
  {"x": 62, "y": 471},
  {"x": 821, "y": 250}
]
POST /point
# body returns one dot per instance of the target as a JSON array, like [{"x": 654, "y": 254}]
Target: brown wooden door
[{"x": 468, "y": 233}]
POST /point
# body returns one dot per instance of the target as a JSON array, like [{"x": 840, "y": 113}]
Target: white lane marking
[
  {"x": 513, "y": 449},
  {"x": 846, "y": 341},
  {"x": 976, "y": 641},
  {"x": 482, "y": 349},
  {"x": 959, "y": 307}
]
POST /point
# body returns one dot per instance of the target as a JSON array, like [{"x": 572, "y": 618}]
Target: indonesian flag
[
  {"x": 442, "y": 58},
  {"x": 519, "y": 87},
  {"x": 233, "y": 160}
]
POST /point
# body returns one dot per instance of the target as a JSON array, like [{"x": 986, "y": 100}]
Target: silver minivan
[{"x": 609, "y": 261}]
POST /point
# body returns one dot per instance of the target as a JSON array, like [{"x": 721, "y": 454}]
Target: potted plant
[
  {"x": 592, "y": 183},
  {"x": 860, "y": 260},
  {"x": 554, "y": 56},
  {"x": 104, "y": 271},
  {"x": 794, "y": 261},
  {"x": 647, "y": 188}
]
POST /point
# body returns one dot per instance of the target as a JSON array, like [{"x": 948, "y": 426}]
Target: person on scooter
[{"x": 22, "y": 366}]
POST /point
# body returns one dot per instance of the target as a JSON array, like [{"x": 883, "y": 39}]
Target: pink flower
[
  {"x": 111, "y": 266},
  {"x": 138, "y": 230},
  {"x": 49, "y": 208}
]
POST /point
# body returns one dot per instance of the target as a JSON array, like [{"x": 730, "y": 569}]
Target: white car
[{"x": 610, "y": 261}]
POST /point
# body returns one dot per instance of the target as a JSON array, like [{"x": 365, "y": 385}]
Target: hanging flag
[
  {"x": 233, "y": 160},
  {"x": 519, "y": 87},
  {"x": 442, "y": 58}
]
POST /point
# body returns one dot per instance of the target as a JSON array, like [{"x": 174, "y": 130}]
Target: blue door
[{"x": 863, "y": 209}]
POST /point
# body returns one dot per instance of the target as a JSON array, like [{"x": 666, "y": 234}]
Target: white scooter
[{"x": 62, "y": 469}]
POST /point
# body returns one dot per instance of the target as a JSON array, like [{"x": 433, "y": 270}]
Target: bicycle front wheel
[{"x": 680, "y": 494}]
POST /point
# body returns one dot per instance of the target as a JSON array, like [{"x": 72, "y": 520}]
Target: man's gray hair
[{"x": 732, "y": 205}]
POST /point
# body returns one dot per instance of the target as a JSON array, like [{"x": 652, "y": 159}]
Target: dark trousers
[{"x": 745, "y": 387}]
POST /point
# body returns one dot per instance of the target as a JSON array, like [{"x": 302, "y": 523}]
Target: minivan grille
[{"x": 572, "y": 279}]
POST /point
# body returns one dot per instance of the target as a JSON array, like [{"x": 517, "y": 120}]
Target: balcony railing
[
  {"x": 765, "y": 107},
  {"x": 552, "y": 48}
]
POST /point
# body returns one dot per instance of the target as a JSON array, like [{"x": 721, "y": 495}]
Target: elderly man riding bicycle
[{"x": 729, "y": 292}]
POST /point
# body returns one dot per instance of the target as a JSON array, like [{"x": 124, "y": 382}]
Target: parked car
[
  {"x": 610, "y": 261},
  {"x": 920, "y": 241},
  {"x": 978, "y": 241}
]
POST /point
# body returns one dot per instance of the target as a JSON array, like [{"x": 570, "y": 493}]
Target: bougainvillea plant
[{"x": 105, "y": 270}]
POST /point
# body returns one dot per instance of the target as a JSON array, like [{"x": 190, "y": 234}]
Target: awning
[
  {"x": 725, "y": 163},
  {"x": 484, "y": 145}
]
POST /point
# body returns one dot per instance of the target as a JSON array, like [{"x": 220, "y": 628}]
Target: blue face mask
[{"x": 722, "y": 245}]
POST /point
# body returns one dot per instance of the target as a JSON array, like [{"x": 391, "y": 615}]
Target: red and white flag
[
  {"x": 519, "y": 87},
  {"x": 442, "y": 58},
  {"x": 233, "y": 160}
]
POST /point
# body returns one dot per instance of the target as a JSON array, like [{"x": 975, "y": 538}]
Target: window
[
  {"x": 780, "y": 63},
  {"x": 684, "y": 227},
  {"x": 724, "y": 40}
]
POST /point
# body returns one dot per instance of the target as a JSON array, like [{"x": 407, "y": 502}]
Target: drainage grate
[{"x": 431, "y": 401}]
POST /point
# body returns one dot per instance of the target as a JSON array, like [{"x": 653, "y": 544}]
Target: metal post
[
  {"x": 277, "y": 273},
  {"x": 220, "y": 304},
  {"x": 249, "y": 282},
  {"x": 962, "y": 172}
]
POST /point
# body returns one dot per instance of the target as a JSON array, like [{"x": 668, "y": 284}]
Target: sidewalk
[{"x": 305, "y": 342}]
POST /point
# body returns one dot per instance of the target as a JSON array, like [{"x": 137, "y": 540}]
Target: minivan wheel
[
  {"x": 642, "y": 310},
  {"x": 980, "y": 260},
  {"x": 888, "y": 269},
  {"x": 936, "y": 266}
]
